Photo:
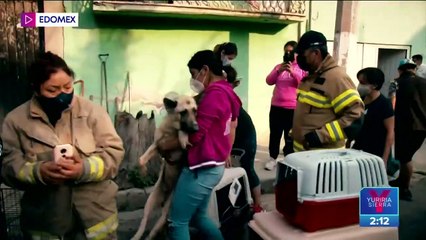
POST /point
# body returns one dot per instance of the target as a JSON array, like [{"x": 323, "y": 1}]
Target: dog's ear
[
  {"x": 169, "y": 104},
  {"x": 139, "y": 114}
]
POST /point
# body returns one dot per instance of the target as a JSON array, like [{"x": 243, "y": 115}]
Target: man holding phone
[{"x": 286, "y": 76}]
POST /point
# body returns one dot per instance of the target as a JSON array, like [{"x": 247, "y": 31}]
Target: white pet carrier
[{"x": 313, "y": 184}]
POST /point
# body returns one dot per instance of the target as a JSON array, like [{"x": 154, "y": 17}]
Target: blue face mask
[{"x": 56, "y": 104}]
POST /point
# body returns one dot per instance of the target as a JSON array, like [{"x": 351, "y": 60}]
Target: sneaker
[
  {"x": 257, "y": 209},
  {"x": 405, "y": 194},
  {"x": 270, "y": 165}
]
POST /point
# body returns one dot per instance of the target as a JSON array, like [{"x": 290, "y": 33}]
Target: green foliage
[{"x": 139, "y": 181}]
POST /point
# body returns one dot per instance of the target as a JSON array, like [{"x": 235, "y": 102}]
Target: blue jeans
[{"x": 190, "y": 202}]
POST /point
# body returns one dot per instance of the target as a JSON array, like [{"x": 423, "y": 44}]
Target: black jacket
[{"x": 410, "y": 107}]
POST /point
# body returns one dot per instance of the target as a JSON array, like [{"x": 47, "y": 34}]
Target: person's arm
[
  {"x": 272, "y": 77},
  {"x": 389, "y": 125},
  {"x": 17, "y": 171},
  {"x": 234, "y": 125},
  {"x": 297, "y": 73},
  {"x": 348, "y": 107},
  {"x": 109, "y": 149},
  {"x": 393, "y": 100},
  {"x": 209, "y": 111}
]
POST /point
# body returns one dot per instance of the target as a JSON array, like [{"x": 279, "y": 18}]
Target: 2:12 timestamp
[{"x": 379, "y": 221}]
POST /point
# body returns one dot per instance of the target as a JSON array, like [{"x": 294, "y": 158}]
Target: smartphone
[
  {"x": 288, "y": 57},
  {"x": 62, "y": 151}
]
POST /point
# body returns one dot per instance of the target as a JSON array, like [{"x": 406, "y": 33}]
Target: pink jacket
[
  {"x": 285, "y": 86},
  {"x": 218, "y": 107}
]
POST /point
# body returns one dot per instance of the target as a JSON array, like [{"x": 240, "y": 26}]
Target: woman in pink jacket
[
  {"x": 210, "y": 147},
  {"x": 286, "y": 76}
]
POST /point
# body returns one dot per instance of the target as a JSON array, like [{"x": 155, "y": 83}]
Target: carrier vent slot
[
  {"x": 374, "y": 175},
  {"x": 366, "y": 173},
  {"x": 380, "y": 177},
  {"x": 369, "y": 172},
  {"x": 361, "y": 172},
  {"x": 331, "y": 172},
  {"x": 341, "y": 176},
  {"x": 318, "y": 175},
  {"x": 335, "y": 176},
  {"x": 324, "y": 177}
]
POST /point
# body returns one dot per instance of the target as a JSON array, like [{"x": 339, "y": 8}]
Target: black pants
[
  {"x": 280, "y": 120},
  {"x": 407, "y": 143}
]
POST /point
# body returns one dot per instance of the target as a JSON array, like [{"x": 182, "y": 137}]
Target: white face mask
[
  {"x": 196, "y": 85},
  {"x": 364, "y": 90},
  {"x": 226, "y": 61}
]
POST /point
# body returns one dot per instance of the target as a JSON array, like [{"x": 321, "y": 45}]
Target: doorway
[{"x": 388, "y": 60}]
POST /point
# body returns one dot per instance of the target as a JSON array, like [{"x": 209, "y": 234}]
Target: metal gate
[{"x": 18, "y": 48}]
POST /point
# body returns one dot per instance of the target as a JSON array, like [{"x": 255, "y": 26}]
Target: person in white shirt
[{"x": 421, "y": 68}]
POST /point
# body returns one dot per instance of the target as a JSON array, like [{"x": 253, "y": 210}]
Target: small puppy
[{"x": 178, "y": 123}]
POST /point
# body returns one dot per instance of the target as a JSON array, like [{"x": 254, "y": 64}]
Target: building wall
[{"x": 156, "y": 53}]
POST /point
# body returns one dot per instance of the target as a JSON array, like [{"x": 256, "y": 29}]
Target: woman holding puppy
[
  {"x": 210, "y": 148},
  {"x": 66, "y": 198}
]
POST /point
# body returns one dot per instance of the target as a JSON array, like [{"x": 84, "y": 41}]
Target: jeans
[{"x": 190, "y": 202}]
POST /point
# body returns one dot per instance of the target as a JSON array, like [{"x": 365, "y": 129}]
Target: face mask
[
  {"x": 196, "y": 85},
  {"x": 301, "y": 61},
  {"x": 364, "y": 90},
  {"x": 56, "y": 104},
  {"x": 226, "y": 61}
]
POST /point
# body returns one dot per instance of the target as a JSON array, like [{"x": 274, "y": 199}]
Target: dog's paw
[
  {"x": 184, "y": 140},
  {"x": 144, "y": 170}
]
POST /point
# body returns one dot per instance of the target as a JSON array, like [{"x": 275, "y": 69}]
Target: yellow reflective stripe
[
  {"x": 313, "y": 99},
  {"x": 339, "y": 130},
  {"x": 297, "y": 147},
  {"x": 26, "y": 174},
  {"x": 346, "y": 98},
  {"x": 103, "y": 229},
  {"x": 97, "y": 167},
  {"x": 335, "y": 131},
  {"x": 330, "y": 132}
]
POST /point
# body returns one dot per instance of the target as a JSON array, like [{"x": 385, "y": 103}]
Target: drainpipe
[
  {"x": 345, "y": 37},
  {"x": 308, "y": 22}
]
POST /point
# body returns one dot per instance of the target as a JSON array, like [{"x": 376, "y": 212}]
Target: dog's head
[{"x": 186, "y": 107}]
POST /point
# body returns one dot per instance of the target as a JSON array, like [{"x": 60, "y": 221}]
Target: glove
[{"x": 312, "y": 141}]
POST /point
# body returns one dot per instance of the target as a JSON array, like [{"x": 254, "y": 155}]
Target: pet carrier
[
  {"x": 319, "y": 189},
  {"x": 231, "y": 198}
]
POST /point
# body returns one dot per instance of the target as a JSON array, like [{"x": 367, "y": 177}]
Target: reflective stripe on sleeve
[
  {"x": 335, "y": 131},
  {"x": 93, "y": 169},
  {"x": 345, "y": 99},
  {"x": 26, "y": 173},
  {"x": 297, "y": 147},
  {"x": 101, "y": 230}
]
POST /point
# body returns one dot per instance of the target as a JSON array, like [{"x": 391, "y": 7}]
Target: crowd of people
[{"x": 315, "y": 105}]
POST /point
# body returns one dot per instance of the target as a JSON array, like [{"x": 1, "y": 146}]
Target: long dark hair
[
  {"x": 45, "y": 65},
  {"x": 208, "y": 58},
  {"x": 228, "y": 48}
]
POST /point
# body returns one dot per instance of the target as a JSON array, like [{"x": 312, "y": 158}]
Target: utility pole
[{"x": 345, "y": 36}]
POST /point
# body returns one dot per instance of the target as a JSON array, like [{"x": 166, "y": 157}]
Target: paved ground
[{"x": 412, "y": 214}]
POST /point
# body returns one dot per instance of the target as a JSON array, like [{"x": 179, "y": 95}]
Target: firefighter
[
  {"x": 73, "y": 198},
  {"x": 329, "y": 108}
]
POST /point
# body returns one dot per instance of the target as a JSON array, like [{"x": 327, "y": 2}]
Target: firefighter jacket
[
  {"x": 329, "y": 109},
  {"x": 28, "y": 140}
]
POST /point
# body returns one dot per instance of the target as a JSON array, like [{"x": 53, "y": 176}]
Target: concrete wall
[{"x": 156, "y": 53}]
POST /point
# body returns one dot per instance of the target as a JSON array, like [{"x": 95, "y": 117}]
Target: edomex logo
[{"x": 379, "y": 201}]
